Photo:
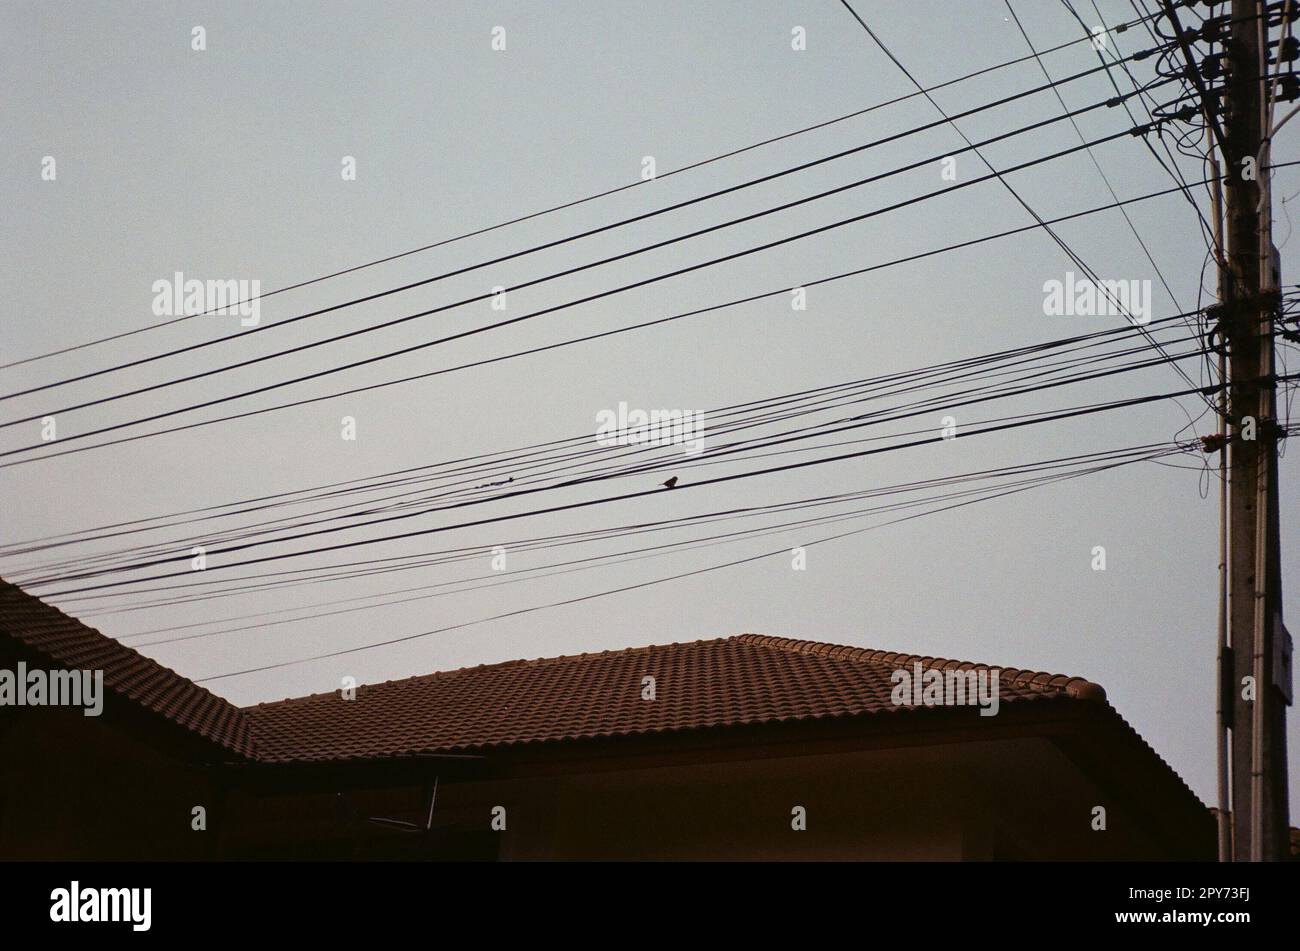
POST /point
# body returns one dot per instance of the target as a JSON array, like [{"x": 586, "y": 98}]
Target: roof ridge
[{"x": 1078, "y": 688}]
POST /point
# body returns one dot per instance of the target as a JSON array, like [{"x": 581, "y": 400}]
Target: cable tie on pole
[{"x": 1213, "y": 443}]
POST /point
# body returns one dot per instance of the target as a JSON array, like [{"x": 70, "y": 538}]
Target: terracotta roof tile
[{"x": 733, "y": 681}]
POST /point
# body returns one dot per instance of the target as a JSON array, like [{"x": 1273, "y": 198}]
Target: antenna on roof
[{"x": 411, "y": 826}]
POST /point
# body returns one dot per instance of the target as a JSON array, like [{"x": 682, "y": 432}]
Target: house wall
[
  {"x": 77, "y": 787},
  {"x": 1010, "y": 799}
]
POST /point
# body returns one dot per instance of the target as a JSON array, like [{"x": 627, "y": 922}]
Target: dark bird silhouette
[{"x": 670, "y": 484}]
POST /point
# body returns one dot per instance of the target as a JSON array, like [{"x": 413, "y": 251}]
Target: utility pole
[{"x": 1259, "y": 658}]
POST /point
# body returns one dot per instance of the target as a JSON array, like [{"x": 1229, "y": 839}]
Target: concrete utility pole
[{"x": 1259, "y": 655}]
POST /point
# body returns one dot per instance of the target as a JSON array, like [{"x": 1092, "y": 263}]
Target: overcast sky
[{"x": 226, "y": 163}]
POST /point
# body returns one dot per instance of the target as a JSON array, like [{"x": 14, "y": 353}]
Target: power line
[
  {"x": 540, "y": 349},
  {"x": 1174, "y": 172},
  {"x": 398, "y": 563},
  {"x": 621, "y": 557},
  {"x": 463, "y": 553},
  {"x": 853, "y": 422},
  {"x": 554, "y": 208},
  {"x": 562, "y": 460},
  {"x": 1068, "y": 414},
  {"x": 1096, "y": 164},
  {"x": 544, "y": 311},
  {"x": 1060, "y": 242},
  {"x": 227, "y": 367}
]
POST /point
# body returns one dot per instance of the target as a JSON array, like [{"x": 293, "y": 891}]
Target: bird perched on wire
[{"x": 670, "y": 484}]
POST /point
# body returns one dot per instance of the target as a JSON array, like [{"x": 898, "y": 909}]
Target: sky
[{"x": 227, "y": 162}]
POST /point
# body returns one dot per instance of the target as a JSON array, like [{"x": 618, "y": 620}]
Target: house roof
[
  {"x": 64, "y": 641},
  {"x": 744, "y": 680}
]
